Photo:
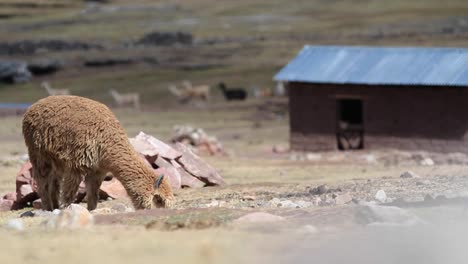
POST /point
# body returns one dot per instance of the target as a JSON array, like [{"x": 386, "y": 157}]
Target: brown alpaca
[{"x": 70, "y": 138}]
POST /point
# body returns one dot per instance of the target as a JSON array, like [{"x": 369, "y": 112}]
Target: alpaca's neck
[{"x": 136, "y": 176}]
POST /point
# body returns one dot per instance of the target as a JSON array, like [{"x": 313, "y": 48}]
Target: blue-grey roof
[{"x": 378, "y": 65}]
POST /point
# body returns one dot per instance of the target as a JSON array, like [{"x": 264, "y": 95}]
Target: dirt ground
[{"x": 202, "y": 228}]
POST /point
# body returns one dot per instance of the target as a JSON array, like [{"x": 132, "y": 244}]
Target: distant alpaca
[
  {"x": 202, "y": 91},
  {"x": 233, "y": 93},
  {"x": 52, "y": 91},
  {"x": 127, "y": 98}
]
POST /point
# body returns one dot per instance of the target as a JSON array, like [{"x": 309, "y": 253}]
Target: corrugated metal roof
[{"x": 378, "y": 65}]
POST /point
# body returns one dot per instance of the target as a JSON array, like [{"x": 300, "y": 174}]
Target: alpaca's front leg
[{"x": 93, "y": 183}]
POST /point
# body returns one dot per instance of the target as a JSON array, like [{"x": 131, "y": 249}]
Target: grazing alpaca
[
  {"x": 233, "y": 93},
  {"x": 126, "y": 99},
  {"x": 70, "y": 138},
  {"x": 189, "y": 92},
  {"x": 201, "y": 91},
  {"x": 52, "y": 91}
]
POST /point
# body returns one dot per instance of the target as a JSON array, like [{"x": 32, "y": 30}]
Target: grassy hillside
[{"x": 259, "y": 37}]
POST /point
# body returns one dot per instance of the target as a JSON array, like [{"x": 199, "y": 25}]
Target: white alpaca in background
[
  {"x": 126, "y": 98},
  {"x": 52, "y": 91}
]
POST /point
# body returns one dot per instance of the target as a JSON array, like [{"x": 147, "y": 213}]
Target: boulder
[
  {"x": 197, "y": 167},
  {"x": 10, "y": 196},
  {"x": 157, "y": 146},
  {"x": 188, "y": 180},
  {"x": 173, "y": 175},
  {"x": 14, "y": 72},
  {"x": 73, "y": 217},
  {"x": 409, "y": 174},
  {"x": 113, "y": 189},
  {"x": 5, "y": 205}
]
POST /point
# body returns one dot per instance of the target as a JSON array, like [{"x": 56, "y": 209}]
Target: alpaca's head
[{"x": 163, "y": 196}]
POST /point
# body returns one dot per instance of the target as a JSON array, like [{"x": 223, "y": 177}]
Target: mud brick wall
[{"x": 403, "y": 117}]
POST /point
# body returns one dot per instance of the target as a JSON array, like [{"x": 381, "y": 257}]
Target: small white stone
[
  {"x": 15, "y": 224},
  {"x": 381, "y": 196}
]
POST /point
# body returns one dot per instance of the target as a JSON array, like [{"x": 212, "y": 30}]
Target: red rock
[
  {"x": 170, "y": 171},
  {"x": 10, "y": 196},
  {"x": 197, "y": 167},
  {"x": 5, "y": 205},
  {"x": 114, "y": 189},
  {"x": 172, "y": 174},
  {"x": 37, "y": 204},
  {"x": 145, "y": 149},
  {"x": 25, "y": 189},
  {"x": 158, "y": 146},
  {"x": 24, "y": 176},
  {"x": 188, "y": 180}
]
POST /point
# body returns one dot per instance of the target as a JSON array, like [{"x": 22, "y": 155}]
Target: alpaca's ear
[{"x": 158, "y": 182}]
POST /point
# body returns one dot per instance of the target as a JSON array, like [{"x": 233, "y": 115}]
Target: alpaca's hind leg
[
  {"x": 70, "y": 185},
  {"x": 53, "y": 190},
  {"x": 93, "y": 183}
]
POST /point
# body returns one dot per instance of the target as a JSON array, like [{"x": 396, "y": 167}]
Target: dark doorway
[{"x": 350, "y": 127}]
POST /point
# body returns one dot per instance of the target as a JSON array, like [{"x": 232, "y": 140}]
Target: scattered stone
[
  {"x": 370, "y": 214},
  {"x": 409, "y": 174},
  {"x": 274, "y": 202},
  {"x": 427, "y": 162},
  {"x": 425, "y": 182},
  {"x": 304, "y": 204},
  {"x": 213, "y": 203},
  {"x": 28, "y": 214},
  {"x": 166, "y": 39},
  {"x": 198, "y": 139},
  {"x": 317, "y": 201},
  {"x": 10, "y": 196},
  {"x": 249, "y": 198},
  {"x": 288, "y": 204},
  {"x": 343, "y": 199},
  {"x": 381, "y": 196},
  {"x": 280, "y": 149},
  {"x": 258, "y": 217},
  {"x": 122, "y": 208},
  {"x": 190, "y": 223},
  {"x": 5, "y": 205},
  {"x": 73, "y": 217},
  {"x": 37, "y": 204},
  {"x": 322, "y": 189},
  {"x": 15, "y": 224}
]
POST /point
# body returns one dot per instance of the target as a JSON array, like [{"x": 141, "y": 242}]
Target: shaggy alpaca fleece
[{"x": 70, "y": 138}]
